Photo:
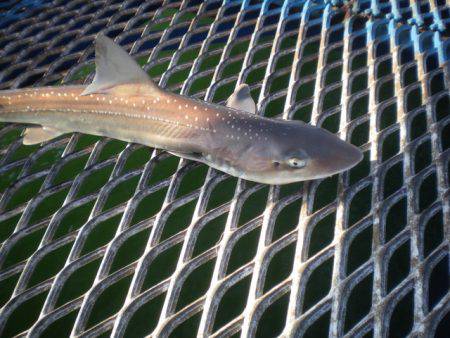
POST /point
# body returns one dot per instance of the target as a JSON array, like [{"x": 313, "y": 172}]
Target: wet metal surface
[{"x": 101, "y": 237}]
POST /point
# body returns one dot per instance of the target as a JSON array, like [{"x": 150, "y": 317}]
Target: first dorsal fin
[
  {"x": 241, "y": 99},
  {"x": 113, "y": 67}
]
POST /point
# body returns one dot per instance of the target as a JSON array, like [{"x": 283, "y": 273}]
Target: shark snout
[
  {"x": 338, "y": 156},
  {"x": 348, "y": 156},
  {"x": 323, "y": 153}
]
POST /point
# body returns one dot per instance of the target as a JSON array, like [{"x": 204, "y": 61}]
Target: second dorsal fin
[
  {"x": 241, "y": 99},
  {"x": 113, "y": 67}
]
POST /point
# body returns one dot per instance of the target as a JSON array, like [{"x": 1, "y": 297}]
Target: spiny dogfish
[{"x": 123, "y": 103}]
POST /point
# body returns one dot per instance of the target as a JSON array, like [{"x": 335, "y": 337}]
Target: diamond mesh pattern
[{"x": 102, "y": 237}]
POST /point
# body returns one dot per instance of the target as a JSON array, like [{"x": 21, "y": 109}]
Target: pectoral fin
[
  {"x": 35, "y": 135},
  {"x": 189, "y": 156},
  {"x": 114, "y": 67},
  {"x": 242, "y": 100}
]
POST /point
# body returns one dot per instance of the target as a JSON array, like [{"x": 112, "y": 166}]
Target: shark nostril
[{"x": 276, "y": 164}]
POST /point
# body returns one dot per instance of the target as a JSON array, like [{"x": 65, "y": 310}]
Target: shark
[{"x": 122, "y": 102}]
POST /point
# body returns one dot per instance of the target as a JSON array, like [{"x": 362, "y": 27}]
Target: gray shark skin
[{"x": 123, "y": 103}]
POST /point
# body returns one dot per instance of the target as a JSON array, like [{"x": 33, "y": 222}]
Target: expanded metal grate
[{"x": 99, "y": 237}]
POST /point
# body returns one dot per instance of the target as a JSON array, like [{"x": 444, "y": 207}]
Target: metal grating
[{"x": 100, "y": 237}]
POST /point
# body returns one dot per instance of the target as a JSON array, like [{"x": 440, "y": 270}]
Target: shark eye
[{"x": 297, "y": 163}]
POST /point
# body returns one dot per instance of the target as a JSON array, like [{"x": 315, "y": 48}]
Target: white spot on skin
[
  {"x": 186, "y": 117},
  {"x": 195, "y": 107}
]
